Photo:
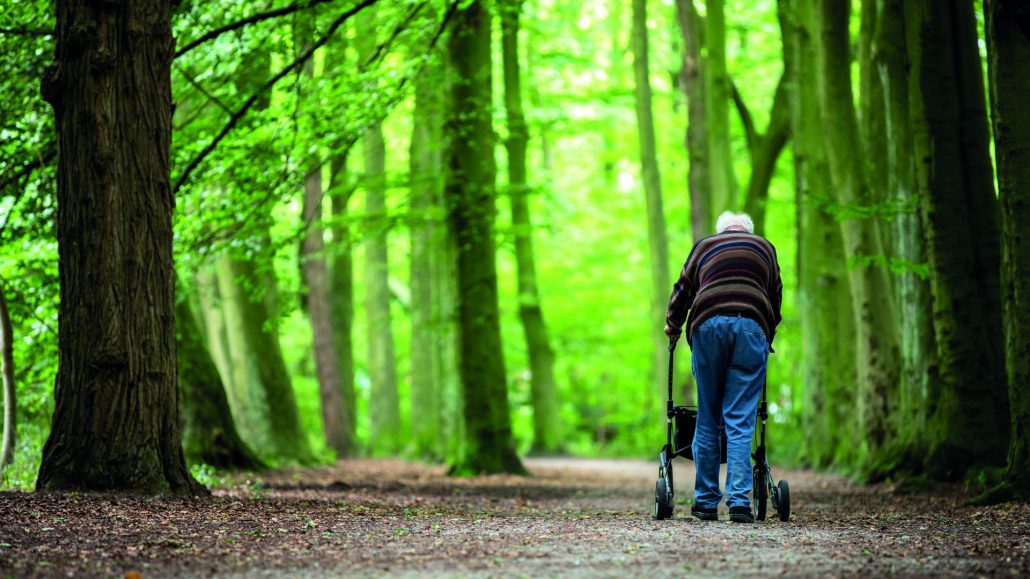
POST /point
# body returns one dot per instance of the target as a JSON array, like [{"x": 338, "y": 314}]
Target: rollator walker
[{"x": 679, "y": 443}]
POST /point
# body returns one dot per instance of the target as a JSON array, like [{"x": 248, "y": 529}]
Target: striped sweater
[{"x": 732, "y": 272}]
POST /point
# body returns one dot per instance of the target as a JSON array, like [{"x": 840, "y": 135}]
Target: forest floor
[{"x": 573, "y": 517}]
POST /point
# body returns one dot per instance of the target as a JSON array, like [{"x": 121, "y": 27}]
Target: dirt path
[{"x": 573, "y": 518}]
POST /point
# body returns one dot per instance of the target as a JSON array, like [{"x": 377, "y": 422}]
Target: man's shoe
[
  {"x": 705, "y": 514},
  {"x": 741, "y": 515}
]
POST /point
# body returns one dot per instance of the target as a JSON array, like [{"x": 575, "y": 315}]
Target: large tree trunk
[
  {"x": 543, "y": 391},
  {"x": 425, "y": 161},
  {"x": 911, "y": 290},
  {"x": 336, "y": 425},
  {"x": 693, "y": 84},
  {"x": 960, "y": 211},
  {"x": 717, "y": 108},
  {"x": 1008, "y": 57},
  {"x": 269, "y": 417},
  {"x": 7, "y": 374},
  {"x": 208, "y": 433},
  {"x": 878, "y": 353},
  {"x": 382, "y": 368},
  {"x": 116, "y": 419},
  {"x": 656, "y": 240},
  {"x": 824, "y": 292},
  {"x": 470, "y": 190}
]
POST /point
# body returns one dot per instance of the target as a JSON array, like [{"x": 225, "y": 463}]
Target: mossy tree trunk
[
  {"x": 906, "y": 242},
  {"x": 960, "y": 211},
  {"x": 116, "y": 415},
  {"x": 470, "y": 191},
  {"x": 382, "y": 366},
  {"x": 425, "y": 161},
  {"x": 209, "y": 435},
  {"x": 656, "y": 240},
  {"x": 7, "y": 376},
  {"x": 824, "y": 292},
  {"x": 878, "y": 352},
  {"x": 1008, "y": 57},
  {"x": 543, "y": 390}
]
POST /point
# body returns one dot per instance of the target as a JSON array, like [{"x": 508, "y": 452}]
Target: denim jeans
[{"x": 729, "y": 356}]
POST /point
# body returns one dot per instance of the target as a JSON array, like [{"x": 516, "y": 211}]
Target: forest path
[{"x": 574, "y": 517}]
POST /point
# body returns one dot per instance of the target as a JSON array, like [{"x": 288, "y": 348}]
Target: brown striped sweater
[{"x": 732, "y": 272}]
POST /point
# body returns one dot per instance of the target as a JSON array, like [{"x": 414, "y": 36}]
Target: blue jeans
[{"x": 729, "y": 360}]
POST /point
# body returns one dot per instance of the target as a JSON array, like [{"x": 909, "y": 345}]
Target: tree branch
[
  {"x": 242, "y": 111},
  {"x": 745, "y": 117},
  {"x": 196, "y": 84},
  {"x": 32, "y": 32},
  {"x": 259, "y": 17}
]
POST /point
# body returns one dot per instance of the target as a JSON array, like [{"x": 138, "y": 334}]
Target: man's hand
[{"x": 673, "y": 333}]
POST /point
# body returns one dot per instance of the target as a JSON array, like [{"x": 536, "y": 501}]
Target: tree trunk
[
  {"x": 878, "y": 354},
  {"x": 960, "y": 210},
  {"x": 336, "y": 425},
  {"x": 341, "y": 283},
  {"x": 656, "y": 240},
  {"x": 7, "y": 372},
  {"x": 911, "y": 290},
  {"x": 717, "y": 107},
  {"x": 470, "y": 190},
  {"x": 383, "y": 404},
  {"x": 765, "y": 152},
  {"x": 209, "y": 435},
  {"x": 543, "y": 391},
  {"x": 692, "y": 81},
  {"x": 262, "y": 384},
  {"x": 116, "y": 416},
  {"x": 210, "y": 302},
  {"x": 824, "y": 292},
  {"x": 426, "y": 170},
  {"x": 1008, "y": 57}
]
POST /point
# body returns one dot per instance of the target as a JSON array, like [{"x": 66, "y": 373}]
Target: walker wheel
[
  {"x": 662, "y": 500},
  {"x": 783, "y": 508},
  {"x": 760, "y": 489}
]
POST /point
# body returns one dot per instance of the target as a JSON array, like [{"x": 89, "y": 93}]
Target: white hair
[{"x": 730, "y": 219}]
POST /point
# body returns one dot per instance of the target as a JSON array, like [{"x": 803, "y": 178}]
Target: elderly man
[{"x": 731, "y": 286}]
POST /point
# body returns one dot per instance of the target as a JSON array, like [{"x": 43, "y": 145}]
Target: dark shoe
[
  {"x": 741, "y": 515},
  {"x": 705, "y": 514}
]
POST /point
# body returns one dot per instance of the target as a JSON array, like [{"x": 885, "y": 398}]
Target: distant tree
[
  {"x": 7, "y": 374},
  {"x": 470, "y": 193},
  {"x": 116, "y": 416},
  {"x": 657, "y": 243},
  {"x": 209, "y": 434},
  {"x": 547, "y": 437},
  {"x": 1008, "y": 58},
  {"x": 384, "y": 407}
]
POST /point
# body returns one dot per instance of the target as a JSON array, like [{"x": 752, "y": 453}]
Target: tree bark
[
  {"x": 824, "y": 292},
  {"x": 116, "y": 416},
  {"x": 949, "y": 124},
  {"x": 1008, "y": 58},
  {"x": 269, "y": 416},
  {"x": 717, "y": 107},
  {"x": 425, "y": 160},
  {"x": 911, "y": 290},
  {"x": 765, "y": 152},
  {"x": 209, "y": 434},
  {"x": 656, "y": 239},
  {"x": 878, "y": 354},
  {"x": 543, "y": 391},
  {"x": 382, "y": 366},
  {"x": 336, "y": 425},
  {"x": 7, "y": 372},
  {"x": 470, "y": 191},
  {"x": 693, "y": 84}
]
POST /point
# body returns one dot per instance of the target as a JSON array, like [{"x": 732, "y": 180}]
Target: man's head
[{"x": 730, "y": 221}]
